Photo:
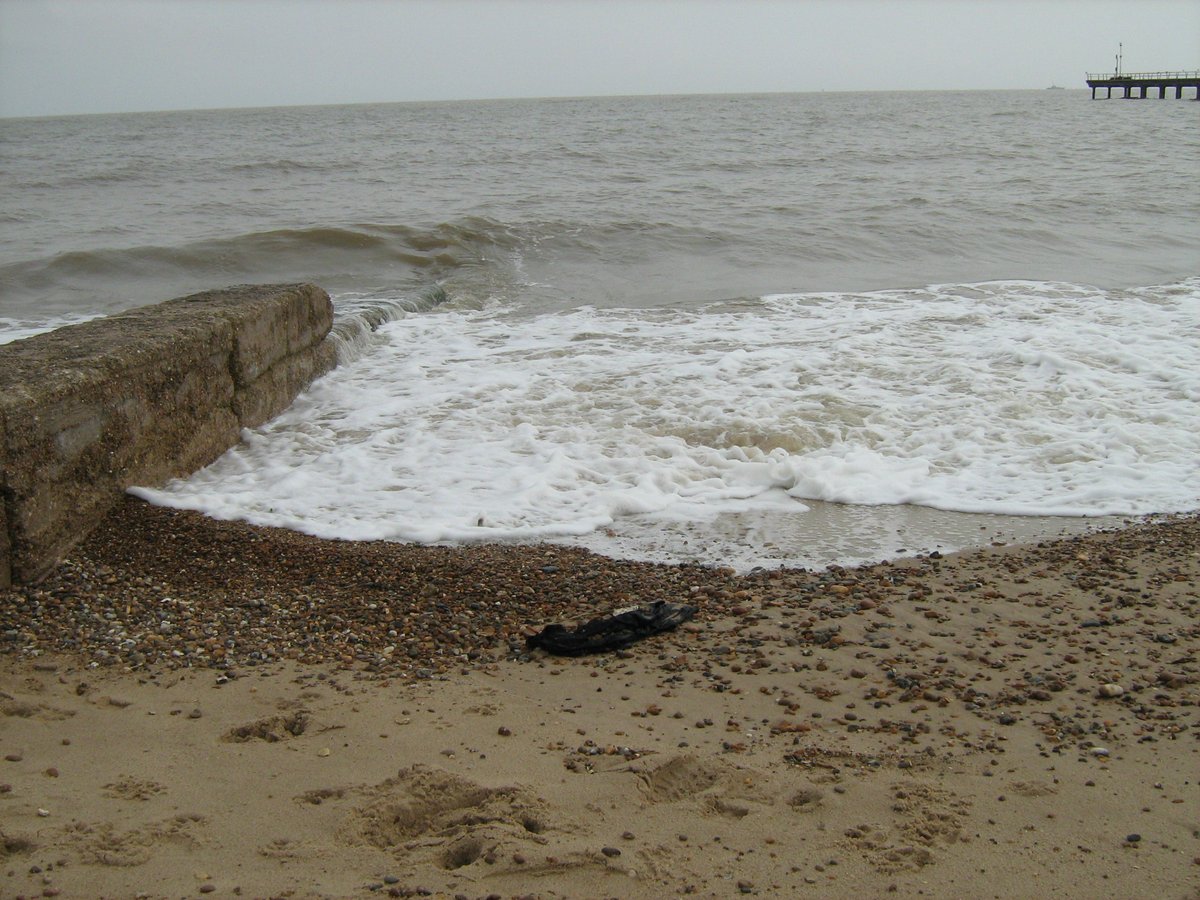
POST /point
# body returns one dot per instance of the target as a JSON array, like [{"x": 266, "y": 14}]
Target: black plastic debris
[{"x": 620, "y": 629}]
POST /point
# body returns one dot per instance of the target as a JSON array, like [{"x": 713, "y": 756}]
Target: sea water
[{"x": 789, "y": 329}]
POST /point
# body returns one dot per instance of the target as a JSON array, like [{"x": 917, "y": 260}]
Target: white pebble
[{"x": 1111, "y": 690}]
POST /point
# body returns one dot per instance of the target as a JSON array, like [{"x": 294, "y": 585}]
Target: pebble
[
  {"x": 610, "y": 851},
  {"x": 1133, "y": 838},
  {"x": 1111, "y": 690},
  {"x": 267, "y": 606}
]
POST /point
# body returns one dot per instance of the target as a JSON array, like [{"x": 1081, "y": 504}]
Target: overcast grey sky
[{"x": 83, "y": 56}]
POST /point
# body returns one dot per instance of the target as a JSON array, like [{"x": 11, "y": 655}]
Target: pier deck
[{"x": 1137, "y": 85}]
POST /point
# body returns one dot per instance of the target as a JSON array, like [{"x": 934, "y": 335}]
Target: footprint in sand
[
  {"x": 284, "y": 849},
  {"x": 13, "y": 844},
  {"x": 102, "y": 843},
  {"x": 719, "y": 806},
  {"x": 129, "y": 788},
  {"x": 1033, "y": 789},
  {"x": 926, "y": 817},
  {"x": 320, "y": 795},
  {"x": 453, "y": 820},
  {"x": 271, "y": 729},
  {"x": 21, "y": 709},
  {"x": 902, "y": 859},
  {"x": 929, "y": 815},
  {"x": 721, "y": 789},
  {"x": 680, "y": 778},
  {"x": 806, "y": 799}
]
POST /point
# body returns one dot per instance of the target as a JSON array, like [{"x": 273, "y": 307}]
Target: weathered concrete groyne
[{"x": 138, "y": 398}]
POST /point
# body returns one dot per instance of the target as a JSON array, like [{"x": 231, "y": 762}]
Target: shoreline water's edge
[{"x": 147, "y": 565}]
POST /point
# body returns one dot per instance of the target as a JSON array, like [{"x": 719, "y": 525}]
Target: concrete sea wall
[{"x": 140, "y": 397}]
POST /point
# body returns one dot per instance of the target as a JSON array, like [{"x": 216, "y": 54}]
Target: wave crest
[{"x": 380, "y": 258}]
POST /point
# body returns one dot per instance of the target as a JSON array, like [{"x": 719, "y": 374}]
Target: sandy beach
[{"x": 192, "y": 707}]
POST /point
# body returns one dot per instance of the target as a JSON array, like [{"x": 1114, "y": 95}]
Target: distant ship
[{"x": 1056, "y": 87}]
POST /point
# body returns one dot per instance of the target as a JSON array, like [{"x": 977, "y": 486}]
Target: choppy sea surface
[{"x": 794, "y": 329}]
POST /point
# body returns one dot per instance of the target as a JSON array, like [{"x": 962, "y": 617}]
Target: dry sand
[{"x": 191, "y": 707}]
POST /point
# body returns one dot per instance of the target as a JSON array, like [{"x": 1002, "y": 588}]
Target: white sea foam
[
  {"x": 18, "y": 329},
  {"x": 1014, "y": 398}
]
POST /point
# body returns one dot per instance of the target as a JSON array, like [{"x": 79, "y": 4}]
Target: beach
[{"x": 201, "y": 707}]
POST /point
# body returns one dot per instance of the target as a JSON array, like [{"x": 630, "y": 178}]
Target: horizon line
[{"x": 515, "y": 98}]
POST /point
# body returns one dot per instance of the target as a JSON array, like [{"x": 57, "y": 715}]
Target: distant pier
[{"x": 1138, "y": 85}]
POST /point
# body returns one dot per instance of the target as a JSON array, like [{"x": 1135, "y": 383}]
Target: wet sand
[
  {"x": 785, "y": 536},
  {"x": 192, "y": 707}
]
